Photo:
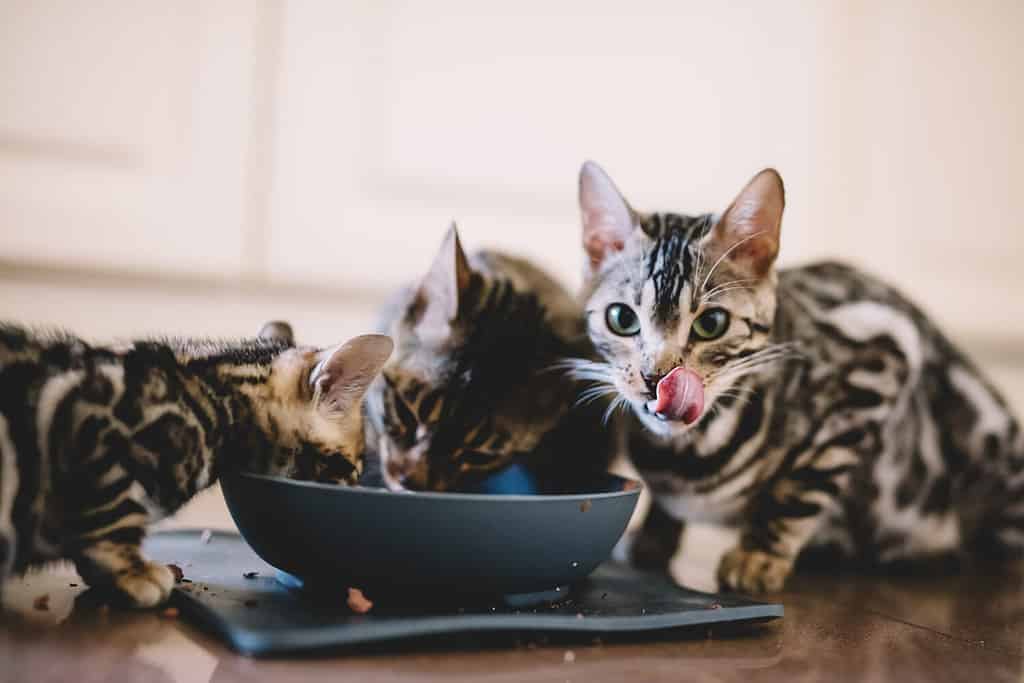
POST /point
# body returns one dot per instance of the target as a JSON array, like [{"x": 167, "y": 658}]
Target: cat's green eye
[
  {"x": 711, "y": 324},
  {"x": 622, "y": 320}
]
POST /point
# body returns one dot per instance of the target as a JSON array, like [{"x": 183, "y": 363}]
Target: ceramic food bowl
[{"x": 431, "y": 545}]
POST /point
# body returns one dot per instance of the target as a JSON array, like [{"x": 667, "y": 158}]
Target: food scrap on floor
[{"x": 357, "y": 602}]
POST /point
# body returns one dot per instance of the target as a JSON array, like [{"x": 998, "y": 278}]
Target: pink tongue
[{"x": 680, "y": 396}]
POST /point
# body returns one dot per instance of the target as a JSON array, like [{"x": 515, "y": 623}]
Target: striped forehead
[{"x": 671, "y": 261}]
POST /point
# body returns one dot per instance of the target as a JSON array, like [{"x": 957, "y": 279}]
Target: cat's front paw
[
  {"x": 753, "y": 571},
  {"x": 146, "y": 585}
]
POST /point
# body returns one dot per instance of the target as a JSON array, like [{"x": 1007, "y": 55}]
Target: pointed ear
[
  {"x": 277, "y": 330},
  {"x": 342, "y": 376},
  {"x": 607, "y": 219},
  {"x": 747, "y": 235},
  {"x": 437, "y": 300}
]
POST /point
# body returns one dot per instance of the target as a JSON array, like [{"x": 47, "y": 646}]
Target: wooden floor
[{"x": 836, "y": 628}]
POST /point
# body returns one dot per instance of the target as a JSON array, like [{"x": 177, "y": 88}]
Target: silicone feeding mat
[{"x": 232, "y": 592}]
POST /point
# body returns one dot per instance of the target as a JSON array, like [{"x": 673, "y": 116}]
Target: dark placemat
[{"x": 229, "y": 590}]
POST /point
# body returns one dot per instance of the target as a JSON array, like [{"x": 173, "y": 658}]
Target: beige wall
[{"x": 316, "y": 146}]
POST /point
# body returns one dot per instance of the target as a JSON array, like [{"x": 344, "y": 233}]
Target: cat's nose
[
  {"x": 406, "y": 470},
  {"x": 651, "y": 380}
]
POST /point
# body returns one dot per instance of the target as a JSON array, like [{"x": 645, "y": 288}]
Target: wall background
[{"x": 202, "y": 165}]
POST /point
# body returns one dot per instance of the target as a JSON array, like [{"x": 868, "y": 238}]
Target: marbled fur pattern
[
  {"x": 97, "y": 442},
  {"x": 474, "y": 382},
  {"x": 837, "y": 414}
]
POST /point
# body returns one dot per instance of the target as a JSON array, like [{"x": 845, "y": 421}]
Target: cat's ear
[
  {"x": 343, "y": 374},
  {"x": 277, "y": 330},
  {"x": 747, "y": 234},
  {"x": 437, "y": 301},
  {"x": 607, "y": 219}
]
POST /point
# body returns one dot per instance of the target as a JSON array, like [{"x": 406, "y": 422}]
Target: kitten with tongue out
[
  {"x": 682, "y": 311},
  {"x": 686, "y": 300},
  {"x": 785, "y": 403}
]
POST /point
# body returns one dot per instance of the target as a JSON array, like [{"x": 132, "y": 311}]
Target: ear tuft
[
  {"x": 277, "y": 330},
  {"x": 747, "y": 235},
  {"x": 341, "y": 378},
  {"x": 607, "y": 219}
]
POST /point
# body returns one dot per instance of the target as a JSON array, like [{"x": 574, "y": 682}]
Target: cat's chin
[{"x": 661, "y": 426}]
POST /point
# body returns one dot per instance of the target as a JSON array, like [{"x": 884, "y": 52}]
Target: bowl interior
[{"x": 445, "y": 543}]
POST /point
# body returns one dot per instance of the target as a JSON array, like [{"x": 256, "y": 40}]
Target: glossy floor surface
[{"x": 836, "y": 628}]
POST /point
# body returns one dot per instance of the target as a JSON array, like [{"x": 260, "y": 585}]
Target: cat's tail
[{"x": 8, "y": 491}]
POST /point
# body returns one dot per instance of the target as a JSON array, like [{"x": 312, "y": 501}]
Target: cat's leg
[
  {"x": 116, "y": 563},
  {"x": 105, "y": 522},
  {"x": 781, "y": 522},
  {"x": 657, "y": 541}
]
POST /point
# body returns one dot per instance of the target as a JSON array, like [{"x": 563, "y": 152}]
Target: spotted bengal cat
[
  {"x": 96, "y": 442},
  {"x": 476, "y": 382},
  {"x": 808, "y": 407}
]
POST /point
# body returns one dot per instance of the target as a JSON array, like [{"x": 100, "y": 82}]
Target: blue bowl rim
[{"x": 467, "y": 497}]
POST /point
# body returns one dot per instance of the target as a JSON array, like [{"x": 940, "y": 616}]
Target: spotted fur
[
  {"x": 96, "y": 442},
  {"x": 474, "y": 382},
  {"x": 835, "y": 415}
]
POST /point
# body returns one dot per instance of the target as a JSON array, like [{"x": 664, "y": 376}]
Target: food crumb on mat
[
  {"x": 170, "y": 613},
  {"x": 250, "y": 575},
  {"x": 178, "y": 574},
  {"x": 569, "y": 657},
  {"x": 357, "y": 602},
  {"x": 206, "y": 536},
  {"x": 42, "y": 603},
  {"x": 585, "y": 506}
]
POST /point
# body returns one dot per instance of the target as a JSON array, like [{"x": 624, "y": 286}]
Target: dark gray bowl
[{"x": 430, "y": 544}]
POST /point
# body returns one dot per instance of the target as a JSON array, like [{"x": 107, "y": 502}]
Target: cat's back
[
  {"x": 826, "y": 303},
  {"x": 829, "y": 284},
  {"x": 563, "y": 310},
  {"x": 29, "y": 358},
  {"x": 19, "y": 345}
]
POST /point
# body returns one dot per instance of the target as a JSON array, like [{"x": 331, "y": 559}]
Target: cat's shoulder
[{"x": 563, "y": 309}]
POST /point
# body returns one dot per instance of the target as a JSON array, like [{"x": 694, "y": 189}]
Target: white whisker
[
  {"x": 617, "y": 402},
  {"x": 726, "y": 286},
  {"x": 724, "y": 255},
  {"x": 720, "y": 292}
]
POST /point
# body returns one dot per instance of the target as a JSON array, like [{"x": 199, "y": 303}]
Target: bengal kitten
[
  {"x": 473, "y": 384},
  {"x": 810, "y": 407},
  {"x": 97, "y": 442}
]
